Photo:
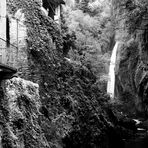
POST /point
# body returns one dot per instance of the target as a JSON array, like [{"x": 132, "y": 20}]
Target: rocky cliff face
[{"x": 131, "y": 76}]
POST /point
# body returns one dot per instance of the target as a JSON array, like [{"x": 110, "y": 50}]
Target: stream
[{"x": 139, "y": 141}]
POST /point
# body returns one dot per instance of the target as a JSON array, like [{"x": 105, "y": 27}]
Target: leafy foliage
[
  {"x": 133, "y": 12},
  {"x": 72, "y": 104},
  {"x": 92, "y": 31}
]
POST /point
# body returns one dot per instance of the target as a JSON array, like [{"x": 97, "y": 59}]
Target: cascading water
[{"x": 111, "y": 80}]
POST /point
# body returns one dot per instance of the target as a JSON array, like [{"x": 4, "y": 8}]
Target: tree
[
  {"x": 90, "y": 30},
  {"x": 133, "y": 13}
]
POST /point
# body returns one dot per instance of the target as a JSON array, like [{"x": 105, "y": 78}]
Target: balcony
[{"x": 8, "y": 60}]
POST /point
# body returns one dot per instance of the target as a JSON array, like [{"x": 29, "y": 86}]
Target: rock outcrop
[
  {"x": 132, "y": 74},
  {"x": 19, "y": 113}
]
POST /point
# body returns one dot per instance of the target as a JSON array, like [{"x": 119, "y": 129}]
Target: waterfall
[{"x": 111, "y": 80}]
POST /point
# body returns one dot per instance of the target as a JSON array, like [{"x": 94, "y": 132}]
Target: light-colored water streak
[{"x": 111, "y": 80}]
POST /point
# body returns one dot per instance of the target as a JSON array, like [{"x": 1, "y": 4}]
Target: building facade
[{"x": 13, "y": 33}]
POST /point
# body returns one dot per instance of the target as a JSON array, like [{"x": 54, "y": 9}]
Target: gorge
[{"x": 58, "y": 93}]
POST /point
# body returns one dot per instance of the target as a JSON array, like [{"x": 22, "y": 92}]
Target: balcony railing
[{"x": 8, "y": 54}]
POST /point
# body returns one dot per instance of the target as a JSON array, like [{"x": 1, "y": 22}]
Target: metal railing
[{"x": 8, "y": 54}]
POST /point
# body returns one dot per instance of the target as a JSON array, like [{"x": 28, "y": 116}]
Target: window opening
[{"x": 7, "y": 31}]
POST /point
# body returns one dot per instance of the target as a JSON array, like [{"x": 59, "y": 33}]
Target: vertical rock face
[
  {"x": 132, "y": 75},
  {"x": 20, "y": 103},
  {"x": 125, "y": 88},
  {"x": 141, "y": 74}
]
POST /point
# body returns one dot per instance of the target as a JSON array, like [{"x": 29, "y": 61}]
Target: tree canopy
[{"x": 91, "y": 24}]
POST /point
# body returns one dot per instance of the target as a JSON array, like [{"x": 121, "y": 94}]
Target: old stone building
[{"x": 13, "y": 33}]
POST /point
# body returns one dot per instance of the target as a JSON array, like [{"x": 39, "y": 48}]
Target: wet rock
[{"x": 143, "y": 125}]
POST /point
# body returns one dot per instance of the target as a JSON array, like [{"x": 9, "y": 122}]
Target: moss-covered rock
[
  {"x": 20, "y": 104},
  {"x": 131, "y": 77}
]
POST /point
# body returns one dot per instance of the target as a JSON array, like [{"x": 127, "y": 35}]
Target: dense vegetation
[
  {"x": 89, "y": 30},
  {"x": 72, "y": 104},
  {"x": 70, "y": 66}
]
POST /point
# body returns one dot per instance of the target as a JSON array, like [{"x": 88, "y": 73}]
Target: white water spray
[{"x": 111, "y": 81}]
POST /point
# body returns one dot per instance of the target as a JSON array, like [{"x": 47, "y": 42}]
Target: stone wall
[{"x": 18, "y": 36}]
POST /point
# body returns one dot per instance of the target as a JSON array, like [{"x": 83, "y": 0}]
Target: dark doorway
[
  {"x": 7, "y": 31},
  {"x": 50, "y": 7}
]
